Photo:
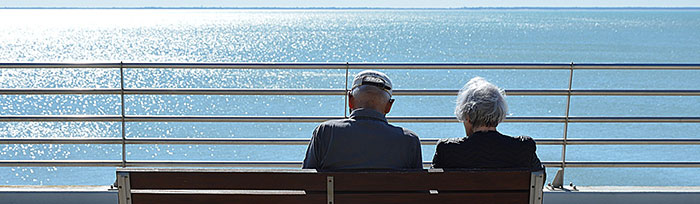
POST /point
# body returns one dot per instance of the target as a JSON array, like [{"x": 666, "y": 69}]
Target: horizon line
[{"x": 368, "y": 8}]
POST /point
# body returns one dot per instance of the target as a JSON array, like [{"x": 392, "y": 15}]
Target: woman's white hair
[{"x": 482, "y": 102}]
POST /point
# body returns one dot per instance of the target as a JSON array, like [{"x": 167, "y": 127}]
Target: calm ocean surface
[{"x": 79, "y": 35}]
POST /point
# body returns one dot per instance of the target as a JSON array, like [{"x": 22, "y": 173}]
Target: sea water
[{"x": 327, "y": 35}]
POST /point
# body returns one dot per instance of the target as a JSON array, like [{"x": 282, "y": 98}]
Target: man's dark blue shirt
[{"x": 364, "y": 141}]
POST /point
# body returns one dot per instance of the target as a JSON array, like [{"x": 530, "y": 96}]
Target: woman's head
[{"x": 481, "y": 104}]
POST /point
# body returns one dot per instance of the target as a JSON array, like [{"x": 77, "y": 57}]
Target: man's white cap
[{"x": 372, "y": 78}]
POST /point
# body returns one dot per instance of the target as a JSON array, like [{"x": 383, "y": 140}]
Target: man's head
[
  {"x": 371, "y": 89},
  {"x": 480, "y": 104}
]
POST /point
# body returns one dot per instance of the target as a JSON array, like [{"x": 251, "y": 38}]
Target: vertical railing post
[
  {"x": 121, "y": 77},
  {"x": 347, "y": 73},
  {"x": 558, "y": 181},
  {"x": 566, "y": 118}
]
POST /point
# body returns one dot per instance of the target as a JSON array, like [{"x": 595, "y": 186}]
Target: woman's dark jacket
[{"x": 487, "y": 150}]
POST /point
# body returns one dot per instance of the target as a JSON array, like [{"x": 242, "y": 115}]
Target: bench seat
[{"x": 137, "y": 185}]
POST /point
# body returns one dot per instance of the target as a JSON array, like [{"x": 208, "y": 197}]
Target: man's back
[{"x": 365, "y": 141}]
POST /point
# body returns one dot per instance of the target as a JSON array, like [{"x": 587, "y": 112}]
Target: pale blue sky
[{"x": 351, "y": 3}]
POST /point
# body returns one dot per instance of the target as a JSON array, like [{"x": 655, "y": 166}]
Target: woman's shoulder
[
  {"x": 450, "y": 141},
  {"x": 523, "y": 142},
  {"x": 521, "y": 138},
  {"x": 524, "y": 138}
]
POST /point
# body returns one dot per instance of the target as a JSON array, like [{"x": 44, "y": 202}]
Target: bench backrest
[{"x": 309, "y": 186}]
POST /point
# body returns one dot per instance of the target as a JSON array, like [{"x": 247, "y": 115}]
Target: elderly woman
[{"x": 481, "y": 106}]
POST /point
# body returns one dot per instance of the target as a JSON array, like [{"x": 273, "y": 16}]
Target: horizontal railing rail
[
  {"x": 321, "y": 92},
  {"x": 315, "y": 119},
  {"x": 305, "y": 141},
  {"x": 354, "y": 65},
  {"x": 344, "y": 66},
  {"x": 297, "y": 164}
]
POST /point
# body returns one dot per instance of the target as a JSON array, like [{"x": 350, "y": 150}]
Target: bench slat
[
  {"x": 220, "y": 192},
  {"x": 226, "y": 199},
  {"x": 417, "y": 181},
  {"x": 484, "y": 198},
  {"x": 377, "y": 198},
  {"x": 232, "y": 181},
  {"x": 344, "y": 181}
]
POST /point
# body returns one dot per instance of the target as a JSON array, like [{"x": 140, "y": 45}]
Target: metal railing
[{"x": 123, "y": 141}]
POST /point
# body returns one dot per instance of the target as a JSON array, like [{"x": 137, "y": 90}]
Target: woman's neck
[{"x": 484, "y": 129}]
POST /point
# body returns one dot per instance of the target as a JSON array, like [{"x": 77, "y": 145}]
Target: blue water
[{"x": 658, "y": 36}]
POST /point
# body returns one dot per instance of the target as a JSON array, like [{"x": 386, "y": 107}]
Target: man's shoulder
[
  {"x": 326, "y": 127},
  {"x": 409, "y": 133},
  {"x": 404, "y": 131},
  {"x": 336, "y": 122}
]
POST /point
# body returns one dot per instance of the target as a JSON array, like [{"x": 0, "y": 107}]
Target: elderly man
[
  {"x": 365, "y": 140},
  {"x": 481, "y": 106}
]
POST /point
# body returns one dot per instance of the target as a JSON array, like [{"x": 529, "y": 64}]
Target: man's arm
[
  {"x": 418, "y": 156},
  {"x": 313, "y": 152}
]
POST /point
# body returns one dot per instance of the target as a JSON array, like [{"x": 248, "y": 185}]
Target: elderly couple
[{"x": 367, "y": 141}]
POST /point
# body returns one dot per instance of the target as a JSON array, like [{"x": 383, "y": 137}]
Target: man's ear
[
  {"x": 351, "y": 103},
  {"x": 387, "y": 108}
]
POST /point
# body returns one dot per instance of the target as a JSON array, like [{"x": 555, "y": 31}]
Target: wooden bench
[{"x": 309, "y": 186}]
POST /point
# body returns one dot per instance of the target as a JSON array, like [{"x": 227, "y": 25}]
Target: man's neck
[{"x": 368, "y": 108}]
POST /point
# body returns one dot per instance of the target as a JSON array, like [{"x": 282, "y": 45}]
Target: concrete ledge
[
  {"x": 623, "y": 194},
  {"x": 58, "y": 194},
  {"x": 583, "y": 194}
]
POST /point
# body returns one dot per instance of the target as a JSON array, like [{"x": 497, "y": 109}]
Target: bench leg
[
  {"x": 329, "y": 189},
  {"x": 124, "y": 186},
  {"x": 536, "y": 185}
]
